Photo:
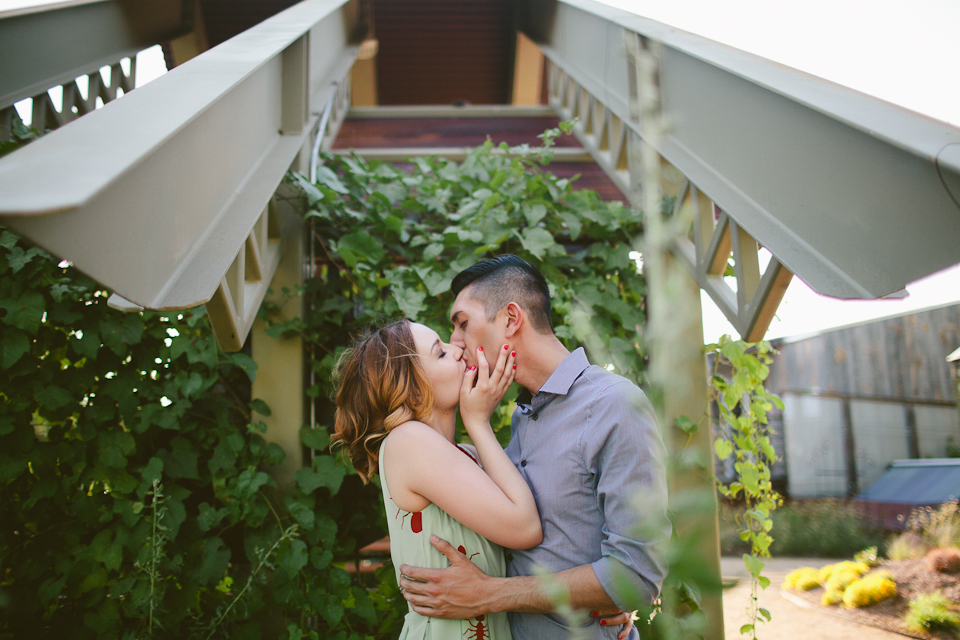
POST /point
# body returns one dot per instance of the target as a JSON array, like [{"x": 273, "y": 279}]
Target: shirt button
[
  {"x": 523, "y": 463},
  {"x": 535, "y": 416}
]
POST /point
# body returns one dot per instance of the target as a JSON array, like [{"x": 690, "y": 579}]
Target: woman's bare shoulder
[{"x": 413, "y": 434}]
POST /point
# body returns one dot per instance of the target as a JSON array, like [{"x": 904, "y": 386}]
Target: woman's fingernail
[
  {"x": 479, "y": 348},
  {"x": 593, "y": 614},
  {"x": 472, "y": 368},
  {"x": 514, "y": 366},
  {"x": 513, "y": 354},
  {"x": 603, "y": 623},
  {"x": 505, "y": 347}
]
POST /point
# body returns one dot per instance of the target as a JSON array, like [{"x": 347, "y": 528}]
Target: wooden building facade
[{"x": 859, "y": 397}]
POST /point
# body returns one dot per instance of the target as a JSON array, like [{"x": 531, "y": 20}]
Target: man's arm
[{"x": 463, "y": 591}]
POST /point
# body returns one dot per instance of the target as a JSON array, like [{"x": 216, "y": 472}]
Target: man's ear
[{"x": 514, "y": 318}]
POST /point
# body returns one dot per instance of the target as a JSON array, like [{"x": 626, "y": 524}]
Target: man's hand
[
  {"x": 457, "y": 592},
  {"x": 613, "y": 617}
]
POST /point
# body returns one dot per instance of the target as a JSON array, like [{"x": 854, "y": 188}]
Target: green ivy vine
[{"x": 737, "y": 391}]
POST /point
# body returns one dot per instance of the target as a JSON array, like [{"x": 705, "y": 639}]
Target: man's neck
[{"x": 538, "y": 361}]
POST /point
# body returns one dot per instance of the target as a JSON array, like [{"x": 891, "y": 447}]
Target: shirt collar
[{"x": 563, "y": 376}]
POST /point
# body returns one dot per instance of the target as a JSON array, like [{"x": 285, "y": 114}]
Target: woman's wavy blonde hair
[{"x": 382, "y": 384}]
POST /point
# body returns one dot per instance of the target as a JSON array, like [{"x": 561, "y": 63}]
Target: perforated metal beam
[
  {"x": 175, "y": 176},
  {"x": 856, "y": 196},
  {"x": 41, "y": 47}
]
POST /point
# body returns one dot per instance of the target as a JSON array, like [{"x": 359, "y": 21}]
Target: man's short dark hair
[{"x": 499, "y": 281}]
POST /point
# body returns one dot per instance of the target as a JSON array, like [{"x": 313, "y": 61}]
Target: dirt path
[{"x": 790, "y": 621}]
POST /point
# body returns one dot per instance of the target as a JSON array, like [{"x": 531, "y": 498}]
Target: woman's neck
[{"x": 444, "y": 422}]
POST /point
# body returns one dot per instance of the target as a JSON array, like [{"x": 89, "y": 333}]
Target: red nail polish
[
  {"x": 593, "y": 614},
  {"x": 479, "y": 348},
  {"x": 514, "y": 366},
  {"x": 505, "y": 347},
  {"x": 603, "y": 623},
  {"x": 513, "y": 354},
  {"x": 472, "y": 368}
]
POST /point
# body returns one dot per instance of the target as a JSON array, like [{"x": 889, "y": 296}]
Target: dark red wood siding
[{"x": 444, "y": 51}]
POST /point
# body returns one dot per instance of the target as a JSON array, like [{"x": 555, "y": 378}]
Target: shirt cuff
[{"x": 624, "y": 586}]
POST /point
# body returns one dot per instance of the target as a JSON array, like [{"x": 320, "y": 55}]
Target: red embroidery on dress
[
  {"x": 416, "y": 522},
  {"x": 477, "y": 630},
  {"x": 463, "y": 550}
]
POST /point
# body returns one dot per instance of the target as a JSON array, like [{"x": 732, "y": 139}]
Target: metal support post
[{"x": 280, "y": 361}]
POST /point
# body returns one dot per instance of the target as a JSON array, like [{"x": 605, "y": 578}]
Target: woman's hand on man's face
[{"x": 478, "y": 402}]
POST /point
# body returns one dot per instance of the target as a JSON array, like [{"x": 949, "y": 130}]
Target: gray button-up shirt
[{"x": 589, "y": 447}]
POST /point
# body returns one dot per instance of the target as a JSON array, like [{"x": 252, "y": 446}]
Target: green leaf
[
  {"x": 573, "y": 224},
  {"x": 747, "y": 628},
  {"x": 723, "y": 448},
  {"x": 432, "y": 251},
  {"x": 364, "y": 245},
  {"x": 131, "y": 330},
  {"x": 330, "y": 473},
  {"x": 26, "y": 313},
  {"x": 52, "y": 397},
  {"x": 308, "y": 480},
  {"x": 534, "y": 214},
  {"x": 317, "y": 439},
  {"x": 410, "y": 301},
  {"x": 765, "y": 613},
  {"x": 292, "y": 556},
  {"x": 246, "y": 363},
  {"x": 320, "y": 558},
  {"x": 13, "y": 346},
  {"x": 182, "y": 461},
  {"x": 327, "y": 177},
  {"x": 302, "y": 514},
  {"x": 538, "y": 241},
  {"x": 259, "y": 406},
  {"x": 684, "y": 424},
  {"x": 214, "y": 560},
  {"x": 754, "y": 564},
  {"x": 210, "y": 517}
]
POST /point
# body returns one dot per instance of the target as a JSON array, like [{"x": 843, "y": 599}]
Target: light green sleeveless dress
[{"x": 410, "y": 545}]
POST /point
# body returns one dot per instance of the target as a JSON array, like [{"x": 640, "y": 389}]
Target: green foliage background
[
  {"x": 135, "y": 501},
  {"x": 85, "y": 433}
]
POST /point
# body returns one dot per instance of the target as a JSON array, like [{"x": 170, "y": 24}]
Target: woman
[{"x": 396, "y": 415}]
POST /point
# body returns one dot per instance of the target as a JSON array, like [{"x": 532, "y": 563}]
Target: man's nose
[{"x": 456, "y": 340}]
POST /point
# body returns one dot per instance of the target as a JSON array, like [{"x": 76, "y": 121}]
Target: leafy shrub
[
  {"x": 838, "y": 572},
  {"x": 132, "y": 497},
  {"x": 807, "y": 528},
  {"x": 868, "y": 557},
  {"x": 870, "y": 589},
  {"x": 802, "y": 579},
  {"x": 836, "y": 578},
  {"x": 944, "y": 560},
  {"x": 932, "y": 612},
  {"x": 907, "y": 546}
]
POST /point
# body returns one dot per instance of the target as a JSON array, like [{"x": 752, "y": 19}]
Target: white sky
[{"x": 904, "y": 53}]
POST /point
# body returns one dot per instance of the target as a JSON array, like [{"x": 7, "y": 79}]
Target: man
[{"x": 587, "y": 443}]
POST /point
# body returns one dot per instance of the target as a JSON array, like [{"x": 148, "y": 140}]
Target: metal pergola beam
[
  {"x": 856, "y": 196},
  {"x": 189, "y": 162},
  {"x": 41, "y": 47}
]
